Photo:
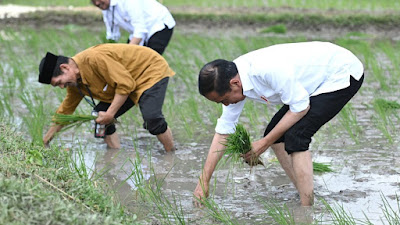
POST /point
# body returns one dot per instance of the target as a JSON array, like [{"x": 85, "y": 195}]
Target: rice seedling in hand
[
  {"x": 69, "y": 121},
  {"x": 239, "y": 143}
]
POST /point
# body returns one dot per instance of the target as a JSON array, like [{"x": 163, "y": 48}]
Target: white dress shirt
[
  {"x": 289, "y": 74},
  {"x": 141, "y": 18}
]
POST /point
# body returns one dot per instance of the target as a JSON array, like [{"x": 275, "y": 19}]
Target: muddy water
[{"x": 363, "y": 174}]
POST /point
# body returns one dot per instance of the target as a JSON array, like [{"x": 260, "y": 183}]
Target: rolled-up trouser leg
[{"x": 150, "y": 104}]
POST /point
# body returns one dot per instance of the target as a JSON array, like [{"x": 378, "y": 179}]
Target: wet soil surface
[
  {"x": 364, "y": 173},
  {"x": 364, "y": 176}
]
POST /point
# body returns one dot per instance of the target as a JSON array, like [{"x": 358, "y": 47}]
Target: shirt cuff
[
  {"x": 225, "y": 127},
  {"x": 299, "y": 106}
]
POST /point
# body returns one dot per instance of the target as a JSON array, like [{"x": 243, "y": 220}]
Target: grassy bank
[{"x": 44, "y": 186}]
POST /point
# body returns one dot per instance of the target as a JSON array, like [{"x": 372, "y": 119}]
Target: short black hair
[{"x": 216, "y": 75}]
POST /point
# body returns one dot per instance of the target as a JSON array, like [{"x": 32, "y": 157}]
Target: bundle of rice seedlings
[
  {"x": 317, "y": 167},
  {"x": 69, "y": 121},
  {"x": 321, "y": 167},
  {"x": 239, "y": 143}
]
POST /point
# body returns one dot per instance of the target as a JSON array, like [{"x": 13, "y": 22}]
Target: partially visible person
[
  {"x": 119, "y": 76},
  {"x": 313, "y": 81},
  {"x": 148, "y": 22}
]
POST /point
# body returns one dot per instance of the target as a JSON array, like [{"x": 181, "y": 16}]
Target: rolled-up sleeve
[
  {"x": 137, "y": 18},
  {"x": 229, "y": 118}
]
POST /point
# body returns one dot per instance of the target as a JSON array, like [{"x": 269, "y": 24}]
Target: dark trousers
[
  {"x": 159, "y": 41},
  {"x": 150, "y": 104},
  {"x": 323, "y": 108}
]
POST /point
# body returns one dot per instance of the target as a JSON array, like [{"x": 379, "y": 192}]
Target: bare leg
[
  {"x": 112, "y": 141},
  {"x": 167, "y": 140},
  {"x": 303, "y": 170},
  {"x": 285, "y": 160}
]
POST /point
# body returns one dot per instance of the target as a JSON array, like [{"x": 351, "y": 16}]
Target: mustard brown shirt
[{"x": 109, "y": 69}]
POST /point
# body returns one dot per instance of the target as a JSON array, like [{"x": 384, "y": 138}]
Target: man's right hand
[
  {"x": 200, "y": 193},
  {"x": 50, "y": 134}
]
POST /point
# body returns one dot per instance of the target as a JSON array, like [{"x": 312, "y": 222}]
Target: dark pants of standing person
[{"x": 159, "y": 41}]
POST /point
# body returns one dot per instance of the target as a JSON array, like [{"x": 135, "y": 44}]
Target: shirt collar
[
  {"x": 113, "y": 3},
  {"x": 243, "y": 69}
]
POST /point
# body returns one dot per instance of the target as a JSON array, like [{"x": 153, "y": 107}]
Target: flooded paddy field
[{"x": 361, "y": 144}]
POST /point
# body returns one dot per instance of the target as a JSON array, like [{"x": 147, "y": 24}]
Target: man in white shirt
[
  {"x": 148, "y": 22},
  {"x": 313, "y": 81}
]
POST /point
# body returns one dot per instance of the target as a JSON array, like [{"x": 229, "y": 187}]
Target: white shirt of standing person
[
  {"x": 289, "y": 74},
  {"x": 141, "y": 18}
]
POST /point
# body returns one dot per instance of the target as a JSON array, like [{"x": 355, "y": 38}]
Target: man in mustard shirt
[{"x": 119, "y": 76}]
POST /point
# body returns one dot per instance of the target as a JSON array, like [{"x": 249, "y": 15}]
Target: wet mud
[{"x": 365, "y": 175}]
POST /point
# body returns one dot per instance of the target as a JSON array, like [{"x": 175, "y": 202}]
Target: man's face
[
  {"x": 102, "y": 4},
  {"x": 233, "y": 96},
  {"x": 67, "y": 79}
]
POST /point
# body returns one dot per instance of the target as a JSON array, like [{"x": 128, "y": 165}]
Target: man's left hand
[{"x": 251, "y": 157}]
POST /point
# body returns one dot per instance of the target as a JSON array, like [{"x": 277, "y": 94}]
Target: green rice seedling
[
  {"x": 238, "y": 143},
  {"x": 78, "y": 164},
  {"x": 71, "y": 120},
  {"x": 218, "y": 213},
  {"x": 317, "y": 167},
  {"x": 386, "y": 105},
  {"x": 394, "y": 67},
  {"x": 280, "y": 214},
  {"x": 36, "y": 118},
  {"x": 392, "y": 215},
  {"x": 277, "y": 29},
  {"x": 321, "y": 167},
  {"x": 379, "y": 75},
  {"x": 339, "y": 215},
  {"x": 349, "y": 120},
  {"x": 384, "y": 109},
  {"x": 169, "y": 212}
]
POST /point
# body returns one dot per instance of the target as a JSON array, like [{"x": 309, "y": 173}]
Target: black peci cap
[{"x": 46, "y": 68}]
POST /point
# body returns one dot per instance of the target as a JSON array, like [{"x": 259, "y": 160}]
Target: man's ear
[
  {"x": 64, "y": 67},
  {"x": 236, "y": 81}
]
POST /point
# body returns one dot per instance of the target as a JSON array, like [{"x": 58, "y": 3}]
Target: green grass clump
[
  {"x": 277, "y": 29},
  {"x": 386, "y": 104},
  {"x": 41, "y": 186},
  {"x": 321, "y": 167}
]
